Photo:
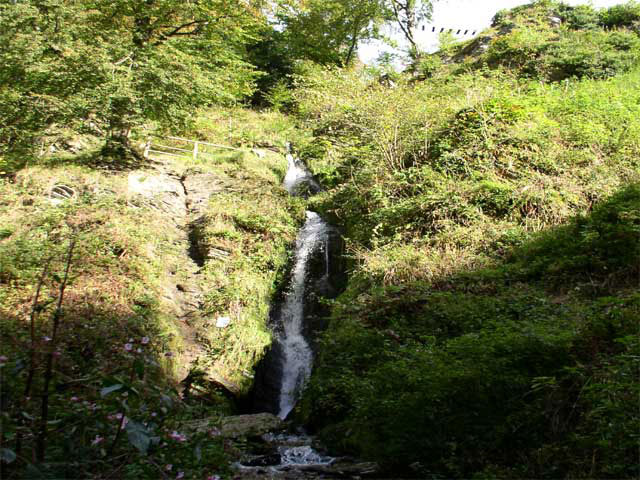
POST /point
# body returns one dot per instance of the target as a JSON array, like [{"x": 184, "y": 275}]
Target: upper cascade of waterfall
[{"x": 298, "y": 177}]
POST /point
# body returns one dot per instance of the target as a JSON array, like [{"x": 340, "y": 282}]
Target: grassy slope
[
  {"x": 118, "y": 276},
  {"x": 490, "y": 324}
]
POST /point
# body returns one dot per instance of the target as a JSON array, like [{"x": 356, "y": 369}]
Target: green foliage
[
  {"x": 438, "y": 358},
  {"x": 280, "y": 97},
  {"x": 588, "y": 43},
  {"x": 580, "y": 17},
  {"x": 328, "y": 31},
  {"x": 623, "y": 15},
  {"x": 446, "y": 41},
  {"x": 594, "y": 55}
]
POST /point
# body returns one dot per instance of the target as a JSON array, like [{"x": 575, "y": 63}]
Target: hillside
[
  {"x": 492, "y": 215},
  {"x": 160, "y": 250}
]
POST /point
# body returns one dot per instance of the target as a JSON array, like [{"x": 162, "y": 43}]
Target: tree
[
  {"x": 407, "y": 15},
  {"x": 119, "y": 63},
  {"x": 175, "y": 56},
  {"x": 328, "y": 31}
]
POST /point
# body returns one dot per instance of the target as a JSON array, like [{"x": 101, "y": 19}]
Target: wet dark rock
[
  {"x": 250, "y": 425},
  {"x": 344, "y": 469},
  {"x": 264, "y": 460},
  {"x": 266, "y": 386},
  {"x": 198, "y": 247}
]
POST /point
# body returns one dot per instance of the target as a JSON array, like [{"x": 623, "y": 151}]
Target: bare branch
[{"x": 40, "y": 444}]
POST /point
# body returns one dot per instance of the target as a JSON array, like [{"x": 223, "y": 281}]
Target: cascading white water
[
  {"x": 297, "y": 174},
  {"x": 297, "y": 355}
]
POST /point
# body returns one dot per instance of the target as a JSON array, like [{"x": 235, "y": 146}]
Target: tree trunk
[{"x": 352, "y": 49}]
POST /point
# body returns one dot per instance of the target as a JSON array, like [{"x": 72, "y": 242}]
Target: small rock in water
[{"x": 223, "y": 322}]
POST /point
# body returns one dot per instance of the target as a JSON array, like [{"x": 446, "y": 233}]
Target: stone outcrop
[{"x": 238, "y": 426}]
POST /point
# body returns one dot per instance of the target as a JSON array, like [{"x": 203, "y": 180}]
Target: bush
[
  {"x": 627, "y": 15},
  {"x": 428, "y": 66},
  {"x": 581, "y": 17},
  {"x": 279, "y": 97},
  {"x": 593, "y": 55},
  {"x": 493, "y": 226}
]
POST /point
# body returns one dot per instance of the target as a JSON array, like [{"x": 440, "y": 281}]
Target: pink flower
[
  {"x": 168, "y": 467},
  {"x": 179, "y": 475},
  {"x": 144, "y": 340},
  {"x": 214, "y": 432},
  {"x": 128, "y": 347},
  {"x": 57, "y": 354},
  {"x": 3, "y": 358},
  {"x": 154, "y": 414},
  {"x": 97, "y": 440},
  {"x": 118, "y": 416},
  {"x": 178, "y": 436},
  {"x": 74, "y": 399},
  {"x": 46, "y": 339},
  {"x": 213, "y": 477}
]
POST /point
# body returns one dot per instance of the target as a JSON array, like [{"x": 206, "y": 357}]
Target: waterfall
[
  {"x": 287, "y": 366},
  {"x": 297, "y": 355}
]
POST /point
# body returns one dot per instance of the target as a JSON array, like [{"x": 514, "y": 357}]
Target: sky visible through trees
[{"x": 455, "y": 14}]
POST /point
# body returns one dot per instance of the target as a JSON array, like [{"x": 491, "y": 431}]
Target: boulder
[
  {"x": 555, "y": 21},
  {"x": 159, "y": 190},
  {"x": 250, "y": 425},
  {"x": 341, "y": 469},
  {"x": 238, "y": 426}
]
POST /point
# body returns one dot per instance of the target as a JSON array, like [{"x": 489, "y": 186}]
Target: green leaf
[
  {"x": 139, "y": 367},
  {"x": 107, "y": 390},
  {"x": 7, "y": 456},
  {"x": 138, "y": 436},
  {"x": 166, "y": 399}
]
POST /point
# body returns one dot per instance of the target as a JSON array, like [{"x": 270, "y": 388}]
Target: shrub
[
  {"x": 581, "y": 17},
  {"x": 626, "y": 15},
  {"x": 592, "y": 54}
]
